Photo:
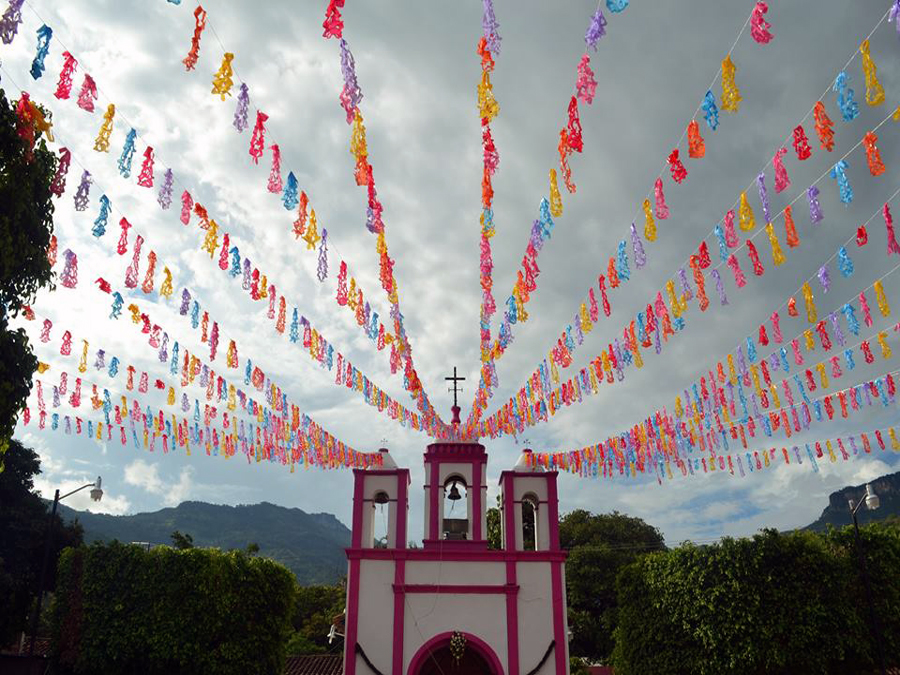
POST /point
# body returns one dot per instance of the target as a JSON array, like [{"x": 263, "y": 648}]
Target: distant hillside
[
  {"x": 837, "y": 512},
  {"x": 310, "y": 544}
]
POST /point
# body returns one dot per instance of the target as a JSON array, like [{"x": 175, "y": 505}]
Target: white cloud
[{"x": 145, "y": 475}]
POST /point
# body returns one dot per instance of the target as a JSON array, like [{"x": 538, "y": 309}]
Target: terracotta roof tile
[{"x": 324, "y": 664}]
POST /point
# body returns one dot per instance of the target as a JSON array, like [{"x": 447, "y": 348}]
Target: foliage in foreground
[
  {"x": 24, "y": 520},
  {"x": 124, "y": 609},
  {"x": 776, "y": 603},
  {"x": 26, "y": 224}
]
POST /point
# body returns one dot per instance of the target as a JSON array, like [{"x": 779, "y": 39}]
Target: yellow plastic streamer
[
  {"x": 811, "y": 314},
  {"x": 488, "y": 107},
  {"x": 810, "y": 343},
  {"x": 358, "y": 147},
  {"x": 170, "y": 399},
  {"x": 747, "y": 222},
  {"x": 211, "y": 242},
  {"x": 885, "y": 350},
  {"x": 649, "y": 223},
  {"x": 41, "y": 123},
  {"x": 222, "y": 79},
  {"x": 881, "y": 299},
  {"x": 777, "y": 253},
  {"x": 673, "y": 300},
  {"x": 586, "y": 325},
  {"x": 311, "y": 236},
  {"x": 166, "y": 290},
  {"x": 895, "y": 444},
  {"x": 823, "y": 376},
  {"x": 874, "y": 90},
  {"x": 82, "y": 364},
  {"x": 731, "y": 96},
  {"x": 102, "y": 142},
  {"x": 556, "y": 205}
]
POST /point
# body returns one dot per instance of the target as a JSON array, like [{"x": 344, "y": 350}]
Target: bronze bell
[{"x": 454, "y": 495}]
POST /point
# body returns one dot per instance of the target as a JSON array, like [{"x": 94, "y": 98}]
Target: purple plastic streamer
[
  {"x": 165, "y": 190},
  {"x": 243, "y": 106},
  {"x": 9, "y": 22},
  {"x": 685, "y": 286},
  {"x": 322, "y": 269},
  {"x": 764, "y": 196},
  {"x": 720, "y": 287},
  {"x": 815, "y": 210},
  {"x": 597, "y": 29},
  {"x": 82, "y": 194},
  {"x": 895, "y": 15},
  {"x": 351, "y": 94},
  {"x": 490, "y": 26},
  {"x": 824, "y": 279},
  {"x": 640, "y": 257}
]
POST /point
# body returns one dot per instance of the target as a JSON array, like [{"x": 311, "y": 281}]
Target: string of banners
[
  {"x": 304, "y": 226},
  {"x": 571, "y": 141},
  {"x": 229, "y": 259},
  {"x": 640, "y": 331}
]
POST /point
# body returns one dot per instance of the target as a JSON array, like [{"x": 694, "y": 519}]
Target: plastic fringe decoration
[
  {"x": 849, "y": 107},
  {"x": 88, "y": 94},
  {"x": 676, "y": 168},
  {"x": 649, "y": 223},
  {"x": 82, "y": 194},
  {"x": 187, "y": 203},
  {"x": 9, "y": 22},
  {"x": 165, "y": 191},
  {"x": 731, "y": 95},
  {"x": 145, "y": 179},
  {"x": 258, "y": 140},
  {"x": 873, "y": 155},
  {"x": 759, "y": 27},
  {"x": 101, "y": 144},
  {"x": 586, "y": 84},
  {"x": 99, "y": 228},
  {"x": 44, "y": 35},
  {"x": 242, "y": 108},
  {"x": 556, "y": 205},
  {"x": 58, "y": 184},
  {"x": 351, "y": 95},
  {"x": 333, "y": 25},
  {"x": 874, "y": 90},
  {"x": 777, "y": 254},
  {"x": 127, "y": 154},
  {"x": 710, "y": 110},
  {"x": 640, "y": 257},
  {"x": 790, "y": 229},
  {"x": 815, "y": 209},
  {"x": 69, "y": 277},
  {"x": 764, "y": 196},
  {"x": 190, "y": 61},
  {"x": 322, "y": 267},
  {"x": 64, "y": 86},
  {"x": 801, "y": 144},
  {"x": 838, "y": 172},
  {"x": 782, "y": 181},
  {"x": 824, "y": 127},
  {"x": 662, "y": 210},
  {"x": 222, "y": 80},
  {"x": 696, "y": 146},
  {"x": 596, "y": 30},
  {"x": 747, "y": 221}
]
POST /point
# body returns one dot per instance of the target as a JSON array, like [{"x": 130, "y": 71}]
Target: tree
[
  {"x": 26, "y": 225},
  {"x": 317, "y": 606},
  {"x": 24, "y": 521},
  {"x": 599, "y": 546},
  {"x": 122, "y": 609},
  {"x": 181, "y": 541},
  {"x": 775, "y": 603}
]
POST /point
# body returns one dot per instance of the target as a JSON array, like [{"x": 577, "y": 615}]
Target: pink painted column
[
  {"x": 512, "y": 621},
  {"x": 352, "y": 619},
  {"x": 553, "y": 512},
  {"x": 399, "y": 617},
  {"x": 559, "y": 631},
  {"x": 509, "y": 512},
  {"x": 476, "y": 502},
  {"x": 434, "y": 517}
]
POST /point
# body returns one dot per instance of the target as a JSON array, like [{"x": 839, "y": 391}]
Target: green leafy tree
[
  {"x": 775, "y": 603},
  {"x": 317, "y": 607},
  {"x": 26, "y": 225},
  {"x": 24, "y": 519},
  {"x": 599, "y": 546},
  {"x": 122, "y": 609},
  {"x": 181, "y": 541}
]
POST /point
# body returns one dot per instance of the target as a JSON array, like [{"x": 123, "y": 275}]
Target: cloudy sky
[{"x": 418, "y": 70}]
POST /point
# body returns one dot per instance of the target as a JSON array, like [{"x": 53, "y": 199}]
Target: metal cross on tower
[{"x": 456, "y": 390}]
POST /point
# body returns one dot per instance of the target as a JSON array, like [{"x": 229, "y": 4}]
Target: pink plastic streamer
[
  {"x": 759, "y": 27},
  {"x": 782, "y": 182},
  {"x": 662, "y": 210}
]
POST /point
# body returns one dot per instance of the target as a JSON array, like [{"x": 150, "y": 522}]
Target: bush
[
  {"x": 776, "y": 603},
  {"x": 123, "y": 609}
]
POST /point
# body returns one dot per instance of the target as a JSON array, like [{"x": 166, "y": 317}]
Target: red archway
[{"x": 434, "y": 657}]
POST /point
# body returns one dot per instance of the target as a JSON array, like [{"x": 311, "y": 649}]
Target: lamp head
[
  {"x": 872, "y": 499},
  {"x": 97, "y": 491}
]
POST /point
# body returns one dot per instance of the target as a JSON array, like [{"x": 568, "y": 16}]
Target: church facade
[{"x": 455, "y": 605}]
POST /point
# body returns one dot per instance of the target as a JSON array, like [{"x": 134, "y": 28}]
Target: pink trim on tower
[
  {"x": 399, "y": 619},
  {"x": 457, "y": 589},
  {"x": 476, "y": 514},
  {"x": 402, "y": 506},
  {"x": 553, "y": 510},
  {"x": 470, "y": 553},
  {"x": 559, "y": 624},
  {"x": 433, "y": 515},
  {"x": 352, "y": 619},
  {"x": 442, "y": 640},
  {"x": 509, "y": 512},
  {"x": 512, "y": 621},
  {"x": 358, "y": 491}
]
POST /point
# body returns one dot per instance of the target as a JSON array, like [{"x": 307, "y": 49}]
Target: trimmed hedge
[
  {"x": 776, "y": 603},
  {"x": 121, "y": 609}
]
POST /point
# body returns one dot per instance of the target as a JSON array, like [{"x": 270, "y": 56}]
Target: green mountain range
[
  {"x": 309, "y": 544},
  {"x": 837, "y": 513}
]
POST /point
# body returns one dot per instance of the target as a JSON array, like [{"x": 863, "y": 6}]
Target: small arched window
[
  {"x": 380, "y": 505},
  {"x": 456, "y": 509}
]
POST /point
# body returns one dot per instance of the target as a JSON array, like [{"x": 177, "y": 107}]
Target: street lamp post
[
  {"x": 872, "y": 502},
  {"x": 96, "y": 495}
]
